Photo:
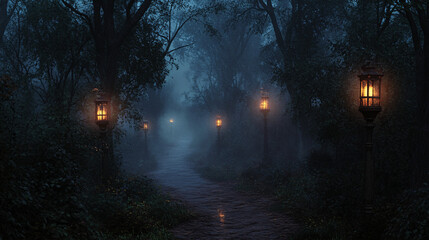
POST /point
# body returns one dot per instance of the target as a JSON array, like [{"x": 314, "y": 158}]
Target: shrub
[
  {"x": 411, "y": 218},
  {"x": 133, "y": 207}
]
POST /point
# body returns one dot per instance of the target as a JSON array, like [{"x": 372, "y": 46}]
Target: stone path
[{"x": 222, "y": 213}]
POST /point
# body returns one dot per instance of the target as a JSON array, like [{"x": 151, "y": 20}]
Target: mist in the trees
[{"x": 252, "y": 119}]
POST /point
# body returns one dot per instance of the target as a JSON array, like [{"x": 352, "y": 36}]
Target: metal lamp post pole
[
  {"x": 107, "y": 155},
  {"x": 218, "y": 139},
  {"x": 102, "y": 120},
  {"x": 369, "y": 115},
  {"x": 145, "y": 140},
  {"x": 266, "y": 156},
  {"x": 369, "y": 167},
  {"x": 370, "y": 91},
  {"x": 104, "y": 155}
]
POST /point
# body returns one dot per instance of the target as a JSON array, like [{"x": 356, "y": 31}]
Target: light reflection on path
[{"x": 222, "y": 212}]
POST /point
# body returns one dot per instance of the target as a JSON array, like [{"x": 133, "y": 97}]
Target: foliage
[
  {"x": 132, "y": 207},
  {"x": 45, "y": 198},
  {"x": 49, "y": 159},
  {"x": 49, "y": 155},
  {"x": 411, "y": 216},
  {"x": 41, "y": 184}
]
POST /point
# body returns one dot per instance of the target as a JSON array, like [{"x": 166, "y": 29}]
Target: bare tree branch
[
  {"x": 80, "y": 14},
  {"x": 184, "y": 46},
  {"x": 132, "y": 21}
]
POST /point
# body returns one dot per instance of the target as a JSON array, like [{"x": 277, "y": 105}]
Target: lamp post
[
  {"x": 370, "y": 90},
  {"x": 102, "y": 115},
  {"x": 218, "y": 126},
  {"x": 171, "y": 126},
  {"x": 145, "y": 129},
  {"x": 265, "y": 109}
]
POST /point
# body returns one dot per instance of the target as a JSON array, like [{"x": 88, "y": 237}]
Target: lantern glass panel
[
  {"x": 376, "y": 92},
  {"x": 370, "y": 92},
  {"x": 363, "y": 92},
  {"x": 145, "y": 126},
  {"x": 101, "y": 111}
]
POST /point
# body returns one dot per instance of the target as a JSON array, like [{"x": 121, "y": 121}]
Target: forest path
[{"x": 222, "y": 213}]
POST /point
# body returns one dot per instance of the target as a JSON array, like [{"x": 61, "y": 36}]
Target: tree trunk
[
  {"x": 420, "y": 161},
  {"x": 4, "y": 19},
  {"x": 106, "y": 60}
]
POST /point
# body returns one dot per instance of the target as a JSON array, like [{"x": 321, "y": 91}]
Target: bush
[
  {"x": 47, "y": 187},
  {"x": 411, "y": 217},
  {"x": 133, "y": 207},
  {"x": 322, "y": 229},
  {"x": 299, "y": 194},
  {"x": 43, "y": 201}
]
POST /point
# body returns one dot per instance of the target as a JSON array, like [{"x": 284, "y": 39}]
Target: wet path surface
[{"x": 222, "y": 213}]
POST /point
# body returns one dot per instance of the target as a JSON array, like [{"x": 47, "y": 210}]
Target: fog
[{"x": 250, "y": 119}]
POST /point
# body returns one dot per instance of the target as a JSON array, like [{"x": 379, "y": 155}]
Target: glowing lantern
[
  {"x": 264, "y": 105},
  {"x": 219, "y": 122},
  {"x": 171, "y": 120},
  {"x": 221, "y": 215},
  {"x": 101, "y": 111},
  {"x": 145, "y": 125},
  {"x": 370, "y": 88}
]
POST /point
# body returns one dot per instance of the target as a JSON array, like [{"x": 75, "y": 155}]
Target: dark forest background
[{"x": 307, "y": 54}]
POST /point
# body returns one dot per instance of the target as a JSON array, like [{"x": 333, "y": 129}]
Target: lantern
[
  {"x": 264, "y": 105},
  {"x": 218, "y": 122},
  {"x": 101, "y": 111},
  {"x": 145, "y": 125},
  {"x": 171, "y": 120},
  {"x": 370, "y": 90}
]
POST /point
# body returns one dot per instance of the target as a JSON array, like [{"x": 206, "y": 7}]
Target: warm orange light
[
  {"x": 264, "y": 106},
  {"x": 221, "y": 215},
  {"x": 369, "y": 92},
  {"x": 101, "y": 111},
  {"x": 370, "y": 87},
  {"x": 171, "y": 121},
  {"x": 366, "y": 93},
  {"x": 219, "y": 122},
  {"x": 145, "y": 126}
]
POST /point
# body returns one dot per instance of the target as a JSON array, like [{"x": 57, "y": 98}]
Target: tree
[
  {"x": 5, "y": 15},
  {"x": 417, "y": 14},
  {"x": 60, "y": 69},
  {"x": 298, "y": 27},
  {"x": 111, "y": 24},
  {"x": 267, "y": 7},
  {"x": 176, "y": 14},
  {"x": 109, "y": 35},
  {"x": 225, "y": 65}
]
